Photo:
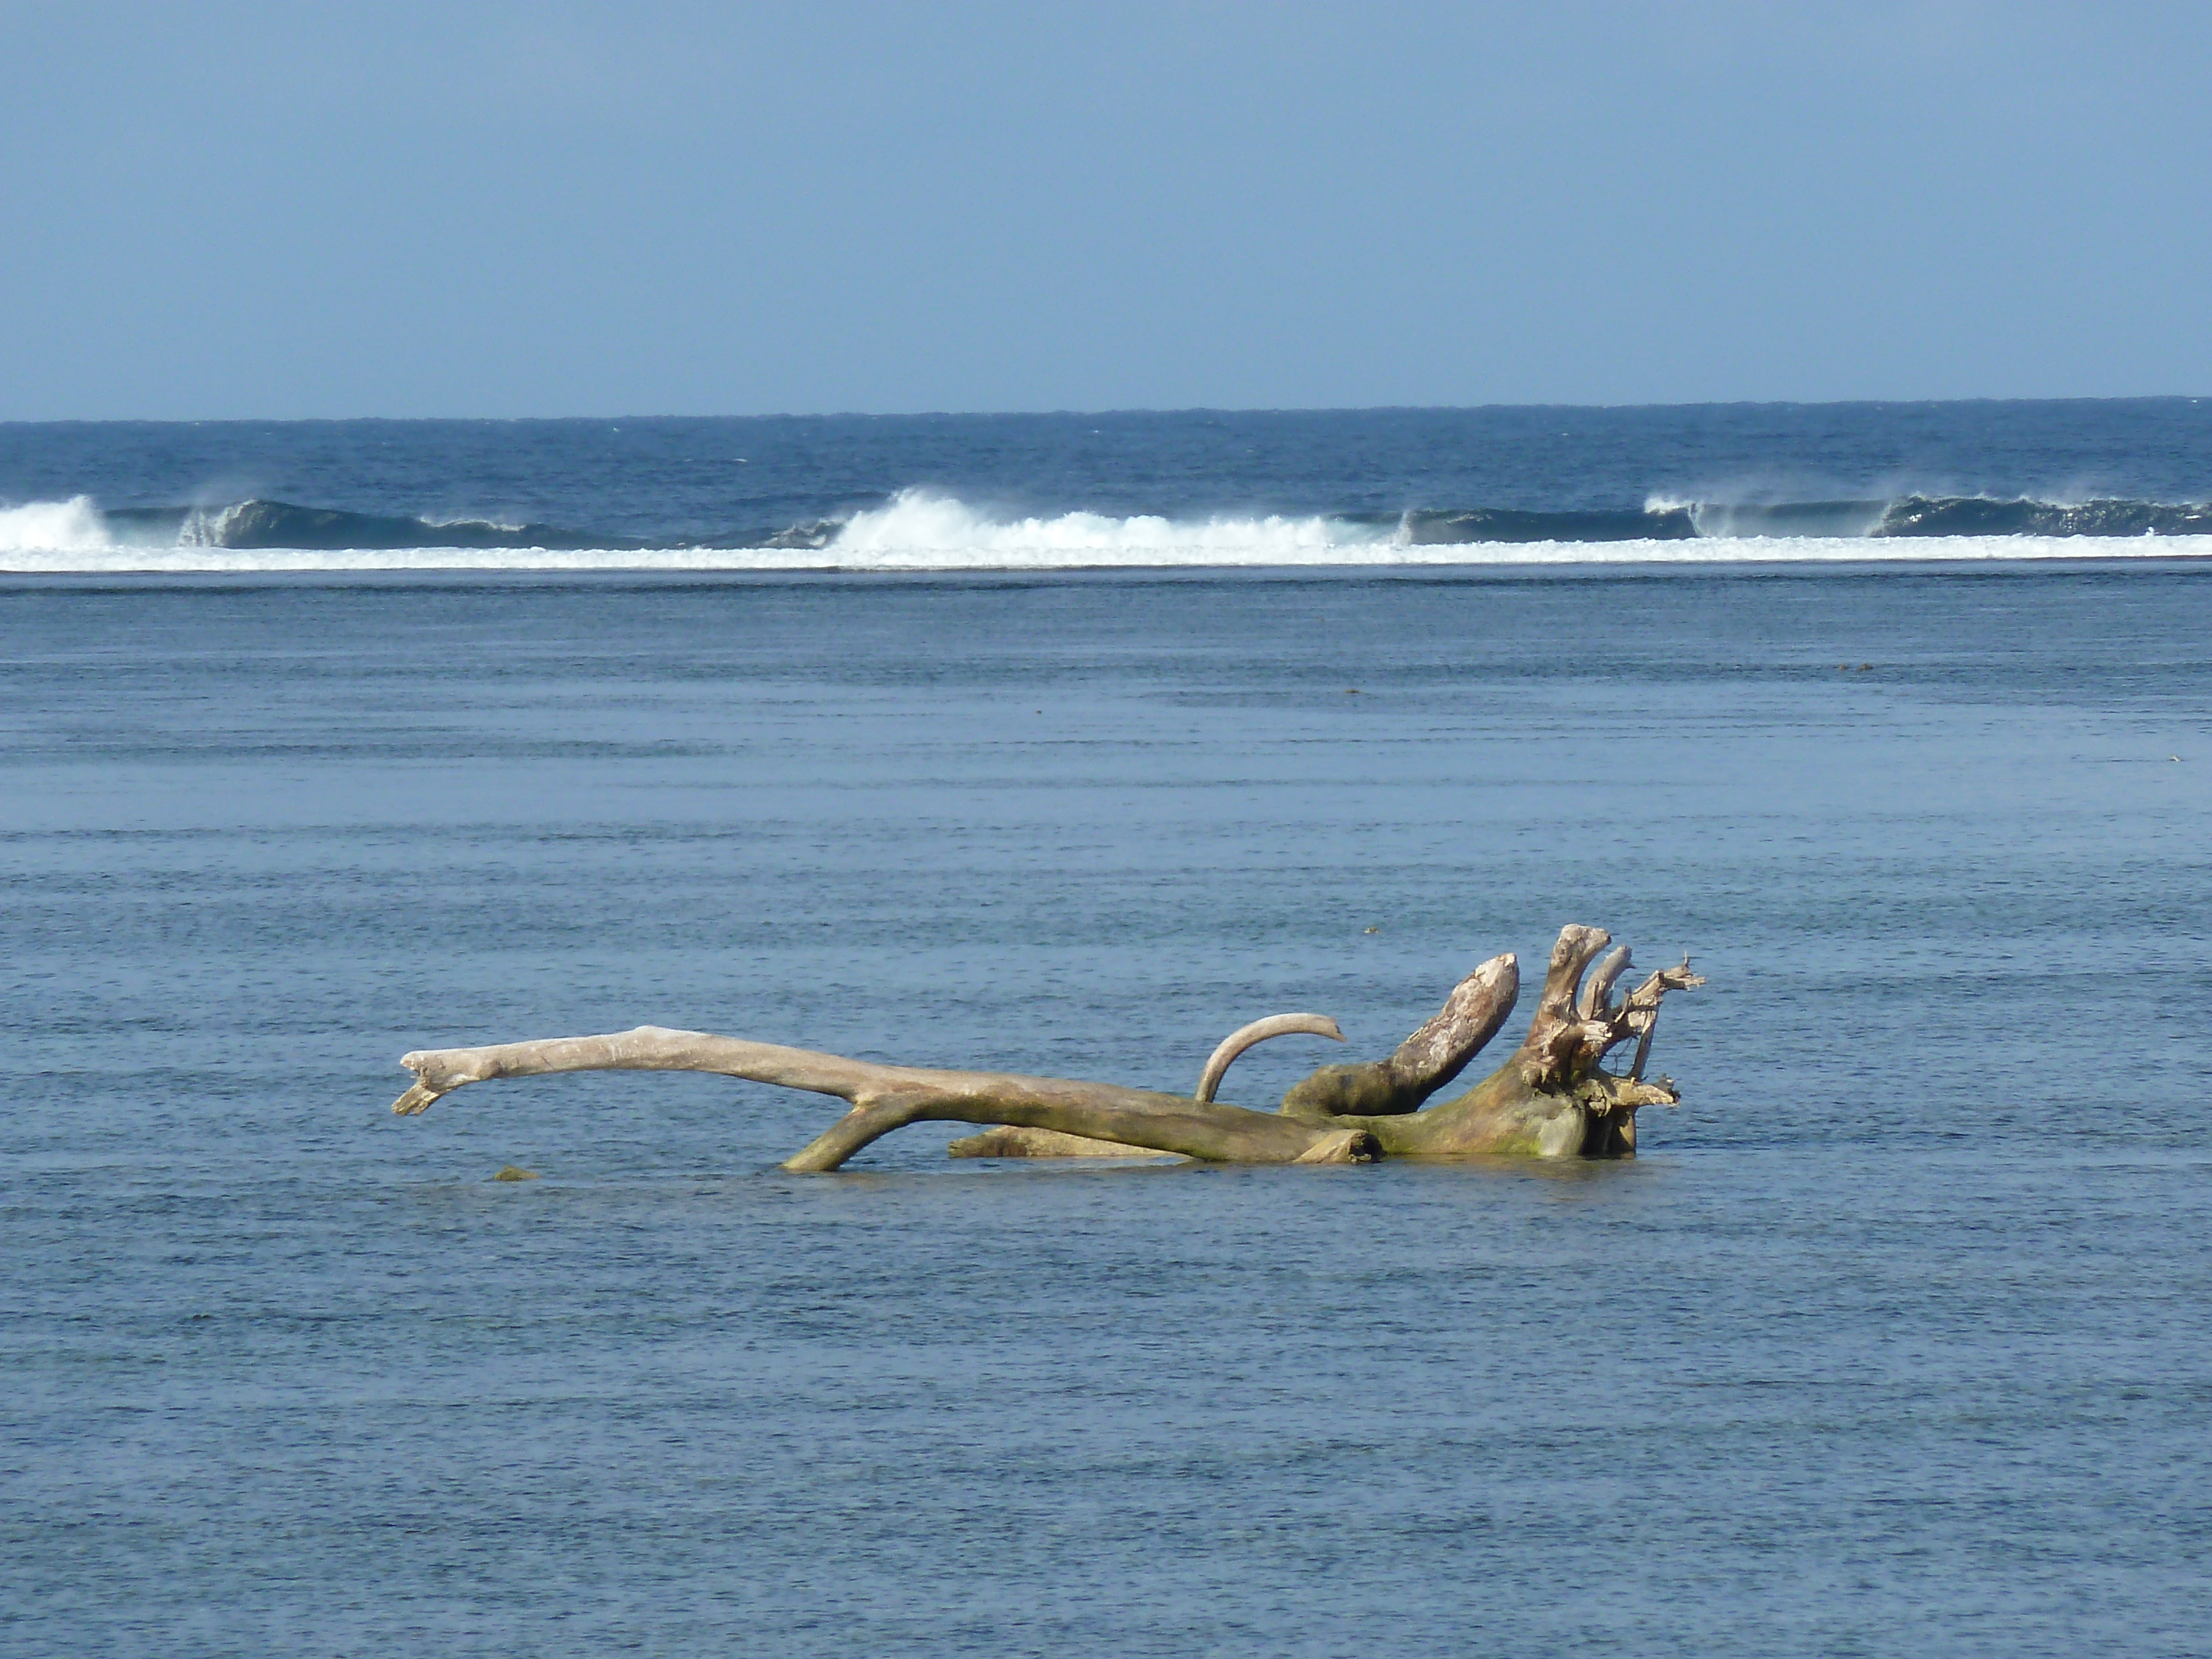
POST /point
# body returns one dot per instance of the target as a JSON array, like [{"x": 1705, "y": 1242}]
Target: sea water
[
  {"x": 1204, "y": 489},
  {"x": 1894, "y": 1339}
]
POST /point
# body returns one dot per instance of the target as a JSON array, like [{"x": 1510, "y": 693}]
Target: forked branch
[{"x": 887, "y": 1097}]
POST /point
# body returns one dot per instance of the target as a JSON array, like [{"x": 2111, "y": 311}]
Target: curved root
[{"x": 1259, "y": 1030}]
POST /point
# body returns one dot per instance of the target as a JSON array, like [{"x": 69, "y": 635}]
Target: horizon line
[{"x": 1090, "y": 414}]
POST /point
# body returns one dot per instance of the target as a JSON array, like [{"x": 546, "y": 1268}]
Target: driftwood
[{"x": 1551, "y": 1098}]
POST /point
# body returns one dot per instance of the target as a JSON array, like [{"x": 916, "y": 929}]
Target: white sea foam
[
  {"x": 918, "y": 532},
  {"x": 73, "y": 527}
]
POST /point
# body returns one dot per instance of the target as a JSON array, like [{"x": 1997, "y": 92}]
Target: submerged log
[
  {"x": 1552, "y": 1097},
  {"x": 1009, "y": 1141}
]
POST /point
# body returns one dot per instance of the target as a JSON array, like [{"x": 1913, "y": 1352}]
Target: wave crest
[
  {"x": 75, "y": 526},
  {"x": 923, "y": 530},
  {"x": 918, "y": 529}
]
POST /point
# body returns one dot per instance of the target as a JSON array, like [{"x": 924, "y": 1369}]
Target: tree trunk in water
[{"x": 1550, "y": 1099}]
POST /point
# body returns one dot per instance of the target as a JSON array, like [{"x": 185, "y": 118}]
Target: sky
[{"x": 224, "y": 210}]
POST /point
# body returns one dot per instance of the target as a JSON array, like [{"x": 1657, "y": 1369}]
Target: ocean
[
  {"x": 1065, "y": 743},
  {"x": 1211, "y": 489}
]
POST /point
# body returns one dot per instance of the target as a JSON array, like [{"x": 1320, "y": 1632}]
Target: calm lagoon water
[{"x": 1894, "y": 1340}]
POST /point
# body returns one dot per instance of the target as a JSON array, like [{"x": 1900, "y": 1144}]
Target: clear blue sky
[{"x": 546, "y": 208}]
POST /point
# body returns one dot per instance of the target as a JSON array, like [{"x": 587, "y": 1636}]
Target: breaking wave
[
  {"x": 917, "y": 530},
  {"x": 75, "y": 526}
]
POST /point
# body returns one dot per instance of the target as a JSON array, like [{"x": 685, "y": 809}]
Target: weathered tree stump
[{"x": 1552, "y": 1097}]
